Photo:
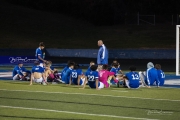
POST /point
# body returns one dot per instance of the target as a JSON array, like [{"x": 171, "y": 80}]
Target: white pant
[
  {"x": 38, "y": 80},
  {"x": 16, "y": 77},
  {"x": 41, "y": 64},
  {"x": 101, "y": 85},
  {"x": 83, "y": 80}
]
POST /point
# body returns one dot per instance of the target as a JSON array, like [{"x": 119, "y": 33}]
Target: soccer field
[{"x": 19, "y": 101}]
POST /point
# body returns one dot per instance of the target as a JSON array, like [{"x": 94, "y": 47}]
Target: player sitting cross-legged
[
  {"x": 76, "y": 75},
  {"x": 51, "y": 73},
  {"x": 105, "y": 76},
  {"x": 20, "y": 72},
  {"x": 93, "y": 79},
  {"x": 38, "y": 74},
  {"x": 132, "y": 78},
  {"x": 160, "y": 74}
]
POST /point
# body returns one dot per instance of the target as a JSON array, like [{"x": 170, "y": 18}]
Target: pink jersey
[{"x": 103, "y": 76}]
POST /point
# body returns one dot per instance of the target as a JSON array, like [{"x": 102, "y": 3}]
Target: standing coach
[{"x": 102, "y": 57}]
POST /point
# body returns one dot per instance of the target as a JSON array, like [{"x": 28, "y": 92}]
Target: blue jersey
[
  {"x": 39, "y": 53},
  {"x": 63, "y": 72},
  {"x": 74, "y": 75},
  {"x": 51, "y": 67},
  {"x": 114, "y": 70},
  {"x": 38, "y": 69},
  {"x": 133, "y": 78},
  {"x": 89, "y": 69},
  {"x": 92, "y": 76},
  {"x": 161, "y": 77},
  {"x": 102, "y": 57},
  {"x": 18, "y": 70},
  {"x": 67, "y": 75},
  {"x": 152, "y": 76}
]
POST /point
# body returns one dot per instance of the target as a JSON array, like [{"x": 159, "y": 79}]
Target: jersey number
[
  {"x": 162, "y": 75},
  {"x": 74, "y": 74},
  {"x": 135, "y": 77},
  {"x": 90, "y": 78}
]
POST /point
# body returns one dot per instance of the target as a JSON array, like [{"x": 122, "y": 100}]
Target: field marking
[
  {"x": 79, "y": 113},
  {"x": 89, "y": 95},
  {"x": 119, "y": 91}
]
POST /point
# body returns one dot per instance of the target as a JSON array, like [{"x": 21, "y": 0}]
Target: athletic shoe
[
  {"x": 54, "y": 83},
  {"x": 44, "y": 83}
]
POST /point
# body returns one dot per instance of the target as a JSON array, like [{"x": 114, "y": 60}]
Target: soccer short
[
  {"x": 134, "y": 84},
  {"x": 39, "y": 80},
  {"x": 41, "y": 64},
  {"x": 82, "y": 80},
  {"x": 100, "y": 85},
  {"x": 16, "y": 77}
]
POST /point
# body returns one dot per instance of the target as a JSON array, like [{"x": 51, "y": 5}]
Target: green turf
[{"x": 160, "y": 103}]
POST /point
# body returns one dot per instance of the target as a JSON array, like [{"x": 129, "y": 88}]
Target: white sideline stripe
[
  {"x": 100, "y": 115},
  {"x": 5, "y": 76},
  {"x": 88, "y": 95},
  {"x": 7, "y": 73},
  {"x": 119, "y": 91}
]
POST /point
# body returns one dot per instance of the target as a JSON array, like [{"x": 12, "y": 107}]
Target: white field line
[
  {"x": 79, "y": 113},
  {"x": 99, "y": 95},
  {"x": 5, "y": 75},
  {"x": 119, "y": 91}
]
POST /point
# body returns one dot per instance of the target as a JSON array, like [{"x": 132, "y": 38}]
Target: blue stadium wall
[{"x": 126, "y": 57}]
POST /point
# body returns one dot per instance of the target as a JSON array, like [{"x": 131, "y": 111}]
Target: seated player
[
  {"x": 115, "y": 70},
  {"x": 105, "y": 76},
  {"x": 20, "y": 72},
  {"x": 64, "y": 70},
  {"x": 90, "y": 64},
  {"x": 76, "y": 75},
  {"x": 67, "y": 74},
  {"x": 150, "y": 76},
  {"x": 132, "y": 78},
  {"x": 160, "y": 74},
  {"x": 93, "y": 79},
  {"x": 51, "y": 73},
  {"x": 38, "y": 74}
]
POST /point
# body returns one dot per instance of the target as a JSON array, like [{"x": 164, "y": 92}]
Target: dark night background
[
  {"x": 78, "y": 24},
  {"x": 104, "y": 12}
]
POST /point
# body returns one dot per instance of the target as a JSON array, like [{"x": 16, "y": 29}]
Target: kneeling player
[
  {"x": 92, "y": 78},
  {"x": 132, "y": 78},
  {"x": 38, "y": 74}
]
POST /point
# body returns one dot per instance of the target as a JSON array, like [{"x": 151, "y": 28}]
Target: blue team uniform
[
  {"x": 39, "y": 53},
  {"x": 133, "y": 78},
  {"x": 63, "y": 73},
  {"x": 38, "y": 69},
  {"x": 114, "y": 70},
  {"x": 161, "y": 77},
  {"x": 151, "y": 77},
  {"x": 102, "y": 57},
  {"x": 89, "y": 69},
  {"x": 74, "y": 76},
  {"x": 67, "y": 75},
  {"x": 19, "y": 70},
  {"x": 91, "y": 77}
]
